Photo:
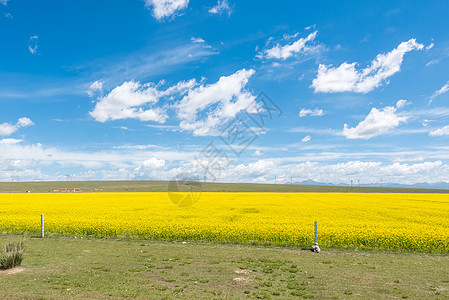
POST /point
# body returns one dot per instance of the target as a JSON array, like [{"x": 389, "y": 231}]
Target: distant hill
[
  {"x": 422, "y": 185},
  {"x": 166, "y": 186}
]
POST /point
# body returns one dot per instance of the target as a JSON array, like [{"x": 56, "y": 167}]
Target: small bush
[{"x": 12, "y": 255}]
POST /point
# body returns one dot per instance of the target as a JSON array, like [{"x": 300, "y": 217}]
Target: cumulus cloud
[
  {"x": 306, "y": 139},
  {"x": 149, "y": 167},
  {"x": 440, "y": 131},
  {"x": 288, "y": 50},
  {"x": 369, "y": 172},
  {"x": 402, "y": 103},
  {"x": 257, "y": 169},
  {"x": 220, "y": 102},
  {"x": 24, "y": 162},
  {"x": 202, "y": 108},
  {"x": 346, "y": 78},
  {"x": 7, "y": 129},
  {"x": 221, "y": 7},
  {"x": 154, "y": 163},
  {"x": 132, "y": 100},
  {"x": 166, "y": 8},
  {"x": 441, "y": 91},
  {"x": 16, "y": 153},
  {"x": 311, "y": 112},
  {"x": 33, "y": 44},
  {"x": 378, "y": 122},
  {"x": 365, "y": 171}
]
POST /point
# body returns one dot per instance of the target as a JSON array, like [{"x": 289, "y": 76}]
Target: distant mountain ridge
[{"x": 423, "y": 185}]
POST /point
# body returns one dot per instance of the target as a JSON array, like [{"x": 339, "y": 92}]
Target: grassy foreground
[
  {"x": 63, "y": 267},
  {"x": 164, "y": 186}
]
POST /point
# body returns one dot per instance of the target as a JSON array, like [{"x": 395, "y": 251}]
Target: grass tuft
[{"x": 12, "y": 255}]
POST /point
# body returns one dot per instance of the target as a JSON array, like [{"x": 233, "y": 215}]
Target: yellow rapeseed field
[{"x": 380, "y": 221}]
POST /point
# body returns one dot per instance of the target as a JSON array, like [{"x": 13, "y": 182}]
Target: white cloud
[
  {"x": 24, "y": 122},
  {"x": 32, "y": 47},
  {"x": 402, "y": 103},
  {"x": 257, "y": 169},
  {"x": 148, "y": 63},
  {"x": 96, "y": 86},
  {"x": 24, "y": 162},
  {"x": 138, "y": 147},
  {"x": 440, "y": 131},
  {"x": 154, "y": 163},
  {"x": 311, "y": 112},
  {"x": 200, "y": 41},
  {"x": 369, "y": 172},
  {"x": 14, "y": 150},
  {"x": 285, "y": 51},
  {"x": 10, "y": 141},
  {"x": 306, "y": 139},
  {"x": 441, "y": 91},
  {"x": 430, "y": 46},
  {"x": 197, "y": 40},
  {"x": 377, "y": 122},
  {"x": 221, "y": 7},
  {"x": 150, "y": 167},
  {"x": 4, "y": 2},
  {"x": 202, "y": 108},
  {"x": 166, "y": 8},
  {"x": 257, "y": 153},
  {"x": 346, "y": 78},
  {"x": 220, "y": 101},
  {"x": 7, "y": 129},
  {"x": 131, "y": 101},
  {"x": 432, "y": 62}
]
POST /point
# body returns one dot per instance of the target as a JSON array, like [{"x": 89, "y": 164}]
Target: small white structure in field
[{"x": 316, "y": 248}]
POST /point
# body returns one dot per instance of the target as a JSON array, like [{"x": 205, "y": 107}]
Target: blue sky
[{"x": 150, "y": 89}]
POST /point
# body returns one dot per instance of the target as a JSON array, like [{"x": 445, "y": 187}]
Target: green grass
[
  {"x": 161, "y": 186},
  {"x": 92, "y": 268},
  {"x": 12, "y": 255}
]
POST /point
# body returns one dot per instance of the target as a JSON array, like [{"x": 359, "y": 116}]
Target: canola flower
[{"x": 362, "y": 220}]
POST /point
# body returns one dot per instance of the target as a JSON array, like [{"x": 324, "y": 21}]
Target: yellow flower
[{"x": 378, "y": 221}]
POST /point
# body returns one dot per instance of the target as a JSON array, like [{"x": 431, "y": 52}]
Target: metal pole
[
  {"x": 316, "y": 232},
  {"x": 42, "y": 226}
]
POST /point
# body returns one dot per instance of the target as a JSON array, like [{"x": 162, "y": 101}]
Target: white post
[
  {"x": 42, "y": 226},
  {"x": 315, "y": 247}
]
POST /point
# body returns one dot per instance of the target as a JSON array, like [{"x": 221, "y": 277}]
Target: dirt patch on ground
[
  {"x": 12, "y": 271},
  {"x": 243, "y": 271},
  {"x": 240, "y": 279},
  {"x": 243, "y": 280}
]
